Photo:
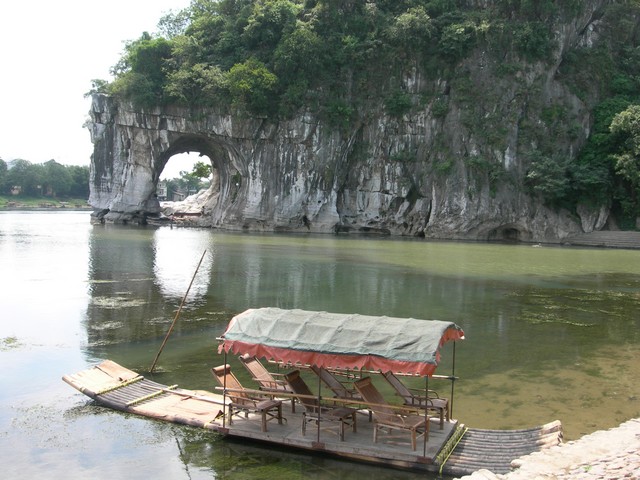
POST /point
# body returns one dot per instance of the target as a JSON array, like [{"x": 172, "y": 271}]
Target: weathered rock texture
[{"x": 452, "y": 167}]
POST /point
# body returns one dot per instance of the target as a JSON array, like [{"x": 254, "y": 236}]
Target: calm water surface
[{"x": 552, "y": 333}]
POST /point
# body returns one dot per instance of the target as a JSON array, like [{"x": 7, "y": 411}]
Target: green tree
[
  {"x": 3, "y": 175},
  {"x": 57, "y": 180},
  {"x": 412, "y": 30},
  {"x": 141, "y": 74},
  {"x": 626, "y": 129},
  {"x": 252, "y": 86},
  {"x": 26, "y": 176},
  {"x": 80, "y": 181},
  {"x": 201, "y": 170},
  {"x": 173, "y": 23},
  {"x": 547, "y": 176},
  {"x": 268, "y": 22},
  {"x": 198, "y": 85}
]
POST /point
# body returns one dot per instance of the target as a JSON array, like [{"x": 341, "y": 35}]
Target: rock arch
[{"x": 264, "y": 182}]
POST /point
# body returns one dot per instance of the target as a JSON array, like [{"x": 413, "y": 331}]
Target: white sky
[{"x": 50, "y": 50}]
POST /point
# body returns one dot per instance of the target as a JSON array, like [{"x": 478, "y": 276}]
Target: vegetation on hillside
[{"x": 272, "y": 58}]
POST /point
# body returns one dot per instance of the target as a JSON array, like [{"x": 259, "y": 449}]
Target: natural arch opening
[
  {"x": 182, "y": 162},
  {"x": 181, "y": 188}
]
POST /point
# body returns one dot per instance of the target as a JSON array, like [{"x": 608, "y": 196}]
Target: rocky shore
[{"x": 603, "y": 455}]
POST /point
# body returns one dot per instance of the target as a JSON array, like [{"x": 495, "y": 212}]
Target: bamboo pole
[{"x": 164, "y": 342}]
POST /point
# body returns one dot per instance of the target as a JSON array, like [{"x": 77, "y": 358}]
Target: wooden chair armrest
[{"x": 418, "y": 391}]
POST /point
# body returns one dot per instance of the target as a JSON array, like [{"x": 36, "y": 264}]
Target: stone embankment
[
  {"x": 607, "y": 239},
  {"x": 603, "y": 455}
]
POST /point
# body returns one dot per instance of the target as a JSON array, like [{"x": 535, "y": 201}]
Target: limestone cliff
[{"x": 452, "y": 167}]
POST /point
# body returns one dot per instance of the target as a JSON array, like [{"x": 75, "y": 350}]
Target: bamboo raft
[{"x": 453, "y": 450}]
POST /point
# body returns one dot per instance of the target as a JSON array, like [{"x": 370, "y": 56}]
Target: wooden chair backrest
[
  {"x": 258, "y": 371},
  {"x": 380, "y": 407},
  {"x": 399, "y": 387},
  {"x": 332, "y": 382},
  {"x": 299, "y": 387},
  {"x": 227, "y": 379}
]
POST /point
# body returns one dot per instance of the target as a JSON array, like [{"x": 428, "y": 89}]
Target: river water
[{"x": 551, "y": 333}]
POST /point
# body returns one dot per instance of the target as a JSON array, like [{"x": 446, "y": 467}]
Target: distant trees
[
  {"x": 189, "y": 182},
  {"x": 50, "y": 179}
]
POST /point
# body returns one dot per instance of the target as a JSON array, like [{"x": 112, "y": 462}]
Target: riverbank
[
  {"x": 42, "y": 203},
  {"x": 605, "y": 454}
]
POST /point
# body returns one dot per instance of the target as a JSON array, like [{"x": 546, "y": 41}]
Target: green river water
[{"x": 551, "y": 333}]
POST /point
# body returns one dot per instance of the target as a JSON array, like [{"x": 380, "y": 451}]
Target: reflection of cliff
[
  {"x": 134, "y": 289},
  {"x": 333, "y": 274}
]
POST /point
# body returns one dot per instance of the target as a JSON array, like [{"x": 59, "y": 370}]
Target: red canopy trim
[{"x": 329, "y": 361}]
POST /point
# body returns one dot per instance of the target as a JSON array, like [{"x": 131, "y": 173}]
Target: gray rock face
[{"x": 453, "y": 167}]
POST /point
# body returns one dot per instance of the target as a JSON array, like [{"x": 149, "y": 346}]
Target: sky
[{"x": 50, "y": 50}]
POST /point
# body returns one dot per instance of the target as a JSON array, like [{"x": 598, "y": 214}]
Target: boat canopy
[{"x": 334, "y": 340}]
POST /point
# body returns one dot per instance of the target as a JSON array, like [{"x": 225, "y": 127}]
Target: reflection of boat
[{"x": 352, "y": 347}]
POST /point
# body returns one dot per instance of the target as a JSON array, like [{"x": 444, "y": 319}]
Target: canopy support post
[
  {"x": 426, "y": 416},
  {"x": 319, "y": 408},
  {"x": 224, "y": 394},
  {"x": 453, "y": 379}
]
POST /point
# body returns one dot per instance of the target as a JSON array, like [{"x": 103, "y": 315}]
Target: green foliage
[
  {"x": 444, "y": 167},
  {"x": 533, "y": 40},
  {"x": 412, "y": 29},
  {"x": 268, "y": 22},
  {"x": 173, "y": 24},
  {"x": 202, "y": 170},
  {"x": 457, "y": 40},
  {"x": 440, "y": 107},
  {"x": 223, "y": 52},
  {"x": 339, "y": 114},
  {"x": 547, "y": 177},
  {"x": 57, "y": 179},
  {"x": 79, "y": 181},
  {"x": 3, "y": 174},
  {"x": 626, "y": 130},
  {"x": 198, "y": 85},
  {"x": 50, "y": 179},
  {"x": 252, "y": 86},
  {"x": 189, "y": 182},
  {"x": 141, "y": 73},
  {"x": 97, "y": 86},
  {"x": 398, "y": 103},
  {"x": 299, "y": 54}
]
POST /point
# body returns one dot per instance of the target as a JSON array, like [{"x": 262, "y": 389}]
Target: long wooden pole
[{"x": 164, "y": 342}]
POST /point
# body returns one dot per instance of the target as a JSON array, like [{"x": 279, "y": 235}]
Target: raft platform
[{"x": 452, "y": 450}]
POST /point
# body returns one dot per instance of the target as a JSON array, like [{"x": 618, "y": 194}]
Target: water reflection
[{"x": 176, "y": 261}]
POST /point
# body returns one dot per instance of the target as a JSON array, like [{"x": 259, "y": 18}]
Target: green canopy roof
[{"x": 334, "y": 340}]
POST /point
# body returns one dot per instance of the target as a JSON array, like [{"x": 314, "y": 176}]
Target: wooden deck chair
[
  {"x": 412, "y": 398},
  {"x": 316, "y": 413},
  {"x": 266, "y": 379},
  {"x": 241, "y": 401},
  {"x": 386, "y": 418},
  {"x": 339, "y": 389}
]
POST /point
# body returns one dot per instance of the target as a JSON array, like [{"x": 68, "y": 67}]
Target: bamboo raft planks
[
  {"x": 453, "y": 450},
  {"x": 494, "y": 450}
]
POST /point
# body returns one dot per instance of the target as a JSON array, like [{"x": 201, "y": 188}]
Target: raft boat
[{"x": 325, "y": 395}]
